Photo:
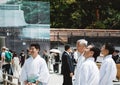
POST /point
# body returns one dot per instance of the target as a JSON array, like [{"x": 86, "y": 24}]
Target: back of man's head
[
  {"x": 96, "y": 52},
  {"x": 67, "y": 47},
  {"x": 110, "y": 47}
]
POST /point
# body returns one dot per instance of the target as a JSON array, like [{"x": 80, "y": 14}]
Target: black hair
[
  {"x": 22, "y": 50},
  {"x": 36, "y": 45},
  {"x": 110, "y": 48},
  {"x": 117, "y": 51},
  {"x": 14, "y": 54},
  {"x": 75, "y": 49},
  {"x": 67, "y": 47},
  {"x": 96, "y": 52}
]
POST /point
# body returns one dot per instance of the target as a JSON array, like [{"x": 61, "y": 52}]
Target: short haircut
[
  {"x": 109, "y": 47},
  {"x": 82, "y": 41},
  {"x": 96, "y": 52},
  {"x": 117, "y": 51},
  {"x": 36, "y": 45},
  {"x": 67, "y": 47}
]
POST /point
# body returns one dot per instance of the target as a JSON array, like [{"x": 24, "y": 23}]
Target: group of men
[
  {"x": 87, "y": 72},
  {"x": 35, "y": 70}
]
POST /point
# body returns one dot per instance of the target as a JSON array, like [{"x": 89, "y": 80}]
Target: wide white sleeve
[
  {"x": 44, "y": 73},
  {"x": 84, "y": 75},
  {"x": 107, "y": 73},
  {"x": 23, "y": 75}
]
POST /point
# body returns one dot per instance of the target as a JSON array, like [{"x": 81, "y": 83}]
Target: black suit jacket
[
  {"x": 67, "y": 65},
  {"x": 115, "y": 58}
]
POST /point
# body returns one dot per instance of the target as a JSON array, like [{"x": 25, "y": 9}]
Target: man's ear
[
  {"x": 107, "y": 51},
  {"x": 92, "y": 52},
  {"x": 38, "y": 50}
]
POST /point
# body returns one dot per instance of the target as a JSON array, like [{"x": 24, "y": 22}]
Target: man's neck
[{"x": 34, "y": 56}]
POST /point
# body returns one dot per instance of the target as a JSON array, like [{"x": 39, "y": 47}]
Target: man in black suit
[
  {"x": 115, "y": 56},
  {"x": 67, "y": 66}
]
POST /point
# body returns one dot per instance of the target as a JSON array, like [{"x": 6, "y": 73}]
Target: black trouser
[
  {"x": 56, "y": 68},
  {"x": 67, "y": 80},
  {"x": 7, "y": 69},
  {"x": 22, "y": 63}
]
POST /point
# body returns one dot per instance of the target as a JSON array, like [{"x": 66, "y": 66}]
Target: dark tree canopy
[{"x": 85, "y": 14}]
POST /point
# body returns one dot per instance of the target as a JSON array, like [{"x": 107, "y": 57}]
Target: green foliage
[
  {"x": 36, "y": 12},
  {"x": 97, "y": 25},
  {"x": 64, "y": 14},
  {"x": 83, "y": 13},
  {"x": 113, "y": 21}
]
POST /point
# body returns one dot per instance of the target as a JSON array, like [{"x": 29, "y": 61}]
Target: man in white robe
[
  {"x": 108, "y": 69},
  {"x": 81, "y": 46},
  {"x": 89, "y": 72},
  {"x": 34, "y": 70}
]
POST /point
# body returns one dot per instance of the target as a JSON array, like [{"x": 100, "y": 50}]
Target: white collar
[
  {"x": 108, "y": 56},
  {"x": 90, "y": 58},
  {"x": 35, "y": 57},
  {"x": 80, "y": 54}
]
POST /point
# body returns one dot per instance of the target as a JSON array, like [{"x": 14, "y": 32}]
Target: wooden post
[
  {"x": 4, "y": 76},
  {"x": 10, "y": 81}
]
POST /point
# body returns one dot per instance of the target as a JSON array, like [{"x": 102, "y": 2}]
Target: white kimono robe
[
  {"x": 108, "y": 71},
  {"x": 35, "y": 69},
  {"x": 89, "y": 73},
  {"x": 81, "y": 59}
]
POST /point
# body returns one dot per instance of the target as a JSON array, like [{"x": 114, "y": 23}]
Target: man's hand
[
  {"x": 27, "y": 83},
  {"x": 37, "y": 82},
  {"x": 71, "y": 74}
]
